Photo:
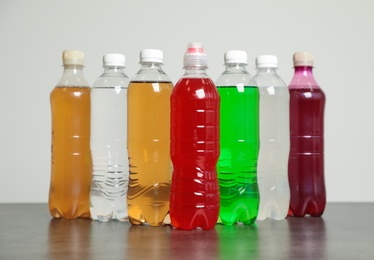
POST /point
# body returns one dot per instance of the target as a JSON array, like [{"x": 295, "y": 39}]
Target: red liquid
[
  {"x": 194, "y": 195},
  {"x": 306, "y": 161}
]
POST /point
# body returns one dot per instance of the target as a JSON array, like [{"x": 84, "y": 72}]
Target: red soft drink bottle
[
  {"x": 306, "y": 160},
  {"x": 194, "y": 150}
]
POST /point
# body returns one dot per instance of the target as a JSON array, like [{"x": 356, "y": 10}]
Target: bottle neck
[
  {"x": 150, "y": 71},
  {"x": 195, "y": 71},
  {"x": 267, "y": 70},
  {"x": 303, "y": 77},
  {"x": 73, "y": 69},
  {"x": 304, "y": 71},
  {"x": 150, "y": 66},
  {"x": 73, "y": 76},
  {"x": 113, "y": 69},
  {"x": 235, "y": 68}
]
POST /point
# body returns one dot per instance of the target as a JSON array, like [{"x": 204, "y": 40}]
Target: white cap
[
  {"x": 114, "y": 59},
  {"x": 195, "y": 55},
  {"x": 267, "y": 61},
  {"x": 236, "y": 56},
  {"x": 72, "y": 57},
  {"x": 303, "y": 59},
  {"x": 151, "y": 55}
]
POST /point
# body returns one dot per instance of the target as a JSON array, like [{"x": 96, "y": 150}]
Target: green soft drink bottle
[{"x": 239, "y": 141}]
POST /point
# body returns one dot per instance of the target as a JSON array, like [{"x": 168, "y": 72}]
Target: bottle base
[
  {"x": 301, "y": 215},
  {"x": 55, "y": 213},
  {"x": 144, "y": 222},
  {"x": 273, "y": 210},
  {"x": 312, "y": 209},
  {"x": 153, "y": 214},
  {"x": 103, "y": 209},
  {"x": 241, "y": 211},
  {"x": 205, "y": 220}
]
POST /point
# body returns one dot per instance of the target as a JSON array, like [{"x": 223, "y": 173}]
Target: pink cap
[{"x": 195, "y": 55}]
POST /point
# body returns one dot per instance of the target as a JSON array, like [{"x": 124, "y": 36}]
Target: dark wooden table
[{"x": 346, "y": 231}]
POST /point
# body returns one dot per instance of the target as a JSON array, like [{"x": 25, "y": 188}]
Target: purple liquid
[{"x": 306, "y": 160}]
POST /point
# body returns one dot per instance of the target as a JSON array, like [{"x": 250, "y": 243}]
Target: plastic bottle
[
  {"x": 272, "y": 167},
  {"x": 306, "y": 161},
  {"x": 109, "y": 141},
  {"x": 194, "y": 195},
  {"x": 71, "y": 157},
  {"x": 239, "y": 141},
  {"x": 149, "y": 142}
]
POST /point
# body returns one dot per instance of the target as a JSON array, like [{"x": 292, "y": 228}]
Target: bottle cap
[
  {"x": 151, "y": 55},
  {"x": 267, "y": 61},
  {"x": 236, "y": 56},
  {"x": 72, "y": 57},
  {"x": 195, "y": 55},
  {"x": 114, "y": 60},
  {"x": 303, "y": 59}
]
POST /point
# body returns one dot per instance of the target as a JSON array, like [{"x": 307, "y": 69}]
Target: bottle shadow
[
  {"x": 69, "y": 238},
  {"x": 194, "y": 244},
  {"x": 238, "y": 241},
  {"x": 307, "y": 238}
]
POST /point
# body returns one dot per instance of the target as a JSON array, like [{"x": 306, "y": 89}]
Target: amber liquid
[
  {"x": 149, "y": 152},
  {"x": 71, "y": 157}
]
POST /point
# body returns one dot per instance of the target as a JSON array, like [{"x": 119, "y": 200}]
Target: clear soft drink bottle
[
  {"x": 239, "y": 141},
  {"x": 272, "y": 167},
  {"x": 149, "y": 142},
  {"x": 71, "y": 157},
  {"x": 109, "y": 141},
  {"x": 306, "y": 161},
  {"x": 194, "y": 195}
]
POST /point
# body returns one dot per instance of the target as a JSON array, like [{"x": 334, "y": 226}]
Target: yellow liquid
[
  {"x": 71, "y": 157},
  {"x": 149, "y": 152}
]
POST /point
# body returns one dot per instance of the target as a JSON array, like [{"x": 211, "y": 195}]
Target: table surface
[{"x": 345, "y": 231}]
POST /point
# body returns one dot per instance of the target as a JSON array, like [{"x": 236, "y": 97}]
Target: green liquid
[{"x": 239, "y": 146}]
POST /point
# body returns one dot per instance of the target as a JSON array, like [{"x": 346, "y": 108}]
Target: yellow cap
[{"x": 73, "y": 57}]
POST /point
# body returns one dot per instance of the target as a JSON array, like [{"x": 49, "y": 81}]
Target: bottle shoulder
[
  {"x": 307, "y": 93},
  {"x": 305, "y": 87},
  {"x": 229, "y": 79},
  {"x": 194, "y": 81},
  {"x": 304, "y": 79},
  {"x": 267, "y": 80},
  {"x": 199, "y": 87},
  {"x": 73, "y": 82},
  {"x": 304, "y": 84},
  {"x": 73, "y": 78},
  {"x": 61, "y": 93},
  {"x": 150, "y": 74},
  {"x": 108, "y": 81}
]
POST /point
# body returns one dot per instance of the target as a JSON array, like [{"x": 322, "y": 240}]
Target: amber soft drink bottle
[
  {"x": 194, "y": 195},
  {"x": 306, "y": 160},
  {"x": 149, "y": 142},
  {"x": 71, "y": 157}
]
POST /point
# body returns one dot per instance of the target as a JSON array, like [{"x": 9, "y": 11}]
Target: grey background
[{"x": 33, "y": 35}]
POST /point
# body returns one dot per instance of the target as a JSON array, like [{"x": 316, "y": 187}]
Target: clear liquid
[
  {"x": 109, "y": 154},
  {"x": 239, "y": 144},
  {"x": 272, "y": 168},
  {"x": 71, "y": 158},
  {"x": 149, "y": 152}
]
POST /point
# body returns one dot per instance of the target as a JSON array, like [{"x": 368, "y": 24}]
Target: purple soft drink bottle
[{"x": 306, "y": 161}]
